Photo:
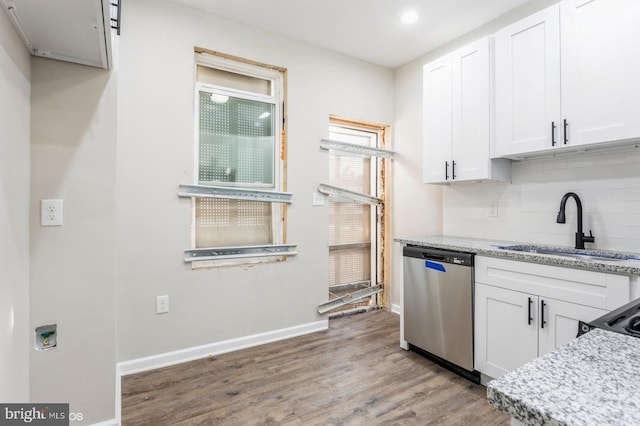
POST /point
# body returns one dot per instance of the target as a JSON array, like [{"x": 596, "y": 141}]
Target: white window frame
[
  {"x": 217, "y": 90},
  {"x": 277, "y": 99}
]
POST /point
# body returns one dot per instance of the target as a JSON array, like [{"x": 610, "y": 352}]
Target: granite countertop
[
  {"x": 490, "y": 248},
  {"x": 593, "y": 380}
]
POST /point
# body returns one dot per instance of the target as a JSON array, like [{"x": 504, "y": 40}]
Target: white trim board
[
  {"x": 395, "y": 308},
  {"x": 197, "y": 352}
]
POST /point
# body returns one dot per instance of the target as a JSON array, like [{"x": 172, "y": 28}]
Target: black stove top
[{"x": 625, "y": 319}]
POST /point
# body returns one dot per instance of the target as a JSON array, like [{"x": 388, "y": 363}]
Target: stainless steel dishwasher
[{"x": 438, "y": 306}]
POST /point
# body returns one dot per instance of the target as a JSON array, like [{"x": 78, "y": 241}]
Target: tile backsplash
[{"x": 607, "y": 183}]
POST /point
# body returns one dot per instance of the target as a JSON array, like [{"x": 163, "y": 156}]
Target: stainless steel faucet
[{"x": 580, "y": 237}]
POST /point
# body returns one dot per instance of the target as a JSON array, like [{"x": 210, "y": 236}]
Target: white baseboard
[
  {"x": 395, "y": 308},
  {"x": 190, "y": 354}
]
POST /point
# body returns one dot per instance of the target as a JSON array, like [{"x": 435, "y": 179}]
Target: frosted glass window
[
  {"x": 224, "y": 222},
  {"x": 237, "y": 141},
  {"x": 350, "y": 223},
  {"x": 238, "y": 125},
  {"x": 349, "y": 266}
]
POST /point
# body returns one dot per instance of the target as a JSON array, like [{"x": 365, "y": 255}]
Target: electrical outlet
[
  {"x": 51, "y": 213},
  {"x": 162, "y": 304}
]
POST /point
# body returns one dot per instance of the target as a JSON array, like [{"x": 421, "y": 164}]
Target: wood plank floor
[{"x": 355, "y": 373}]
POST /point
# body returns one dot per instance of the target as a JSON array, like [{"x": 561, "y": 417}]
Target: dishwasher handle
[
  {"x": 438, "y": 255},
  {"x": 431, "y": 256}
]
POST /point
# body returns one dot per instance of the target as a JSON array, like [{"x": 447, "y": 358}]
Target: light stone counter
[
  {"x": 490, "y": 248},
  {"x": 593, "y": 380}
]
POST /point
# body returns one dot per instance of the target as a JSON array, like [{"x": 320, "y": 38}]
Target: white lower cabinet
[
  {"x": 512, "y": 327},
  {"x": 524, "y": 310},
  {"x": 561, "y": 322}
]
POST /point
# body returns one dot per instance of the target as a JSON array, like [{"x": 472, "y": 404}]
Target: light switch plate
[
  {"x": 318, "y": 199},
  {"x": 162, "y": 304}
]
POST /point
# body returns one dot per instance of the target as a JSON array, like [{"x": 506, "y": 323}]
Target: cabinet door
[
  {"x": 436, "y": 149},
  {"x": 600, "y": 62},
  {"x": 561, "y": 322},
  {"x": 470, "y": 139},
  {"x": 506, "y": 336},
  {"x": 527, "y": 84}
]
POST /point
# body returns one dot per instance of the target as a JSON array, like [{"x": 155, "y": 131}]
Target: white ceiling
[{"x": 365, "y": 29}]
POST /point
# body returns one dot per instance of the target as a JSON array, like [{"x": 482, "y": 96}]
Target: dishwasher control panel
[{"x": 437, "y": 255}]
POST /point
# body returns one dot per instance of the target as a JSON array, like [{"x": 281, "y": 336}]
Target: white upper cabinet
[
  {"x": 437, "y": 116},
  {"x": 471, "y": 114},
  {"x": 600, "y": 63},
  {"x": 527, "y": 84},
  {"x": 456, "y": 114},
  {"x": 564, "y": 78}
]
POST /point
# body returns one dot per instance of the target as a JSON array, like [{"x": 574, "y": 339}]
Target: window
[{"x": 239, "y": 129}]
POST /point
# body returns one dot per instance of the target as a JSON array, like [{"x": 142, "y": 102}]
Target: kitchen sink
[{"x": 575, "y": 253}]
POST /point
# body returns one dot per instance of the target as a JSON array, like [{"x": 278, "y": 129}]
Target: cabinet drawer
[{"x": 589, "y": 288}]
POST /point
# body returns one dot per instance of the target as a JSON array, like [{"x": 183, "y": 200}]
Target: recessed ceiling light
[{"x": 409, "y": 17}]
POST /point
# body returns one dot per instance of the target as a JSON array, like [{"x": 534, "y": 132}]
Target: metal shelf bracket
[
  {"x": 348, "y": 196},
  {"x": 202, "y": 191},
  {"x": 351, "y": 148},
  {"x": 215, "y": 253},
  {"x": 349, "y": 298}
]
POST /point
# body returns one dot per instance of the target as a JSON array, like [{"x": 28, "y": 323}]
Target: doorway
[{"x": 357, "y": 229}]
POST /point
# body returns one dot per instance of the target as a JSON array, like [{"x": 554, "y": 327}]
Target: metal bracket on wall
[
  {"x": 203, "y": 191},
  {"x": 214, "y": 253},
  {"x": 349, "y": 246},
  {"x": 349, "y": 286},
  {"x": 351, "y": 148},
  {"x": 349, "y": 298},
  {"x": 348, "y": 196}
]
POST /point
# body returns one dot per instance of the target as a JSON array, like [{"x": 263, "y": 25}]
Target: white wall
[
  {"x": 156, "y": 153},
  {"x": 15, "y": 87},
  {"x": 73, "y": 153},
  {"x": 418, "y": 208}
]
